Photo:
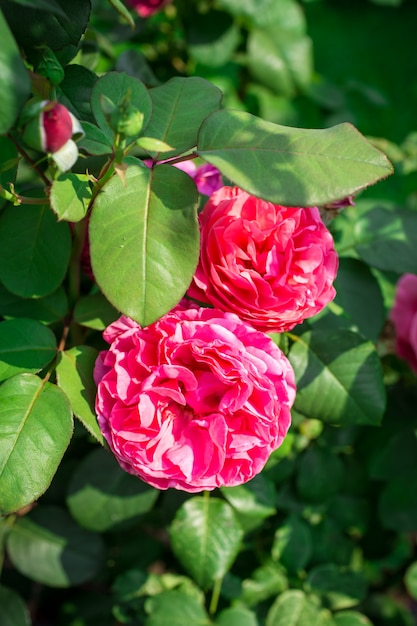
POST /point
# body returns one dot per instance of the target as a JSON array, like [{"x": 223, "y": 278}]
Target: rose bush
[
  {"x": 195, "y": 401},
  {"x": 404, "y": 318},
  {"x": 271, "y": 265}
]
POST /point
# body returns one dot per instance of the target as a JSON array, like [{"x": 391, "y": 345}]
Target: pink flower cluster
[
  {"x": 201, "y": 398},
  {"x": 273, "y": 266},
  {"x": 404, "y": 318},
  {"x": 194, "y": 401}
]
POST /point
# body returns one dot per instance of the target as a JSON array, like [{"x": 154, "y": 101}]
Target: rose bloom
[
  {"x": 194, "y": 401},
  {"x": 271, "y": 265},
  {"x": 404, "y": 318},
  {"x": 145, "y": 8}
]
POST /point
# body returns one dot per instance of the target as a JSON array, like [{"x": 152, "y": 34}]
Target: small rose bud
[
  {"x": 126, "y": 121},
  {"x": 50, "y": 127},
  {"x": 46, "y": 64}
]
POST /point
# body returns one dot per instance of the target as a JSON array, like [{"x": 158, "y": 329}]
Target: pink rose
[
  {"x": 194, "y": 401},
  {"x": 145, "y": 8},
  {"x": 404, "y": 318},
  {"x": 271, "y": 265},
  {"x": 206, "y": 177}
]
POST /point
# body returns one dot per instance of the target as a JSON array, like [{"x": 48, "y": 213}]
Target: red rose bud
[
  {"x": 50, "y": 127},
  {"x": 57, "y": 126}
]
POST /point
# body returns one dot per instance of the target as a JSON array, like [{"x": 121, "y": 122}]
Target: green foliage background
[{"x": 326, "y": 535}]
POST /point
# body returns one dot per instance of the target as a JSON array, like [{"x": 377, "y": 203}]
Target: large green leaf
[
  {"x": 49, "y": 547},
  {"x": 285, "y": 13},
  {"x": 359, "y": 294},
  {"x": 34, "y": 250},
  {"x": 94, "y": 311},
  {"x": 267, "y": 581},
  {"x": 14, "y": 79},
  {"x": 75, "y": 91},
  {"x": 319, "y": 474},
  {"x": 236, "y": 616},
  {"x": 8, "y": 168},
  {"x": 206, "y": 538},
  {"x": 351, "y": 618},
  {"x": 101, "y": 494},
  {"x": 179, "y": 108},
  {"x": 341, "y": 588},
  {"x": 280, "y": 59},
  {"x": 36, "y": 429},
  {"x": 144, "y": 240},
  {"x": 386, "y": 237},
  {"x": 339, "y": 378},
  {"x": 176, "y": 609},
  {"x": 13, "y": 610},
  {"x": 292, "y": 545},
  {"x": 290, "y": 166},
  {"x": 70, "y": 196},
  {"x": 25, "y": 346},
  {"x": 293, "y": 608},
  {"x": 75, "y": 377},
  {"x": 60, "y": 29},
  {"x": 253, "y": 502},
  {"x": 49, "y": 309},
  {"x": 212, "y": 37}
]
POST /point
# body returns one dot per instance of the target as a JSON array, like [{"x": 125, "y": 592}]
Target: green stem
[{"x": 215, "y": 594}]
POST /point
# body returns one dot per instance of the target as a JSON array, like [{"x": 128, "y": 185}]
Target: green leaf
[
  {"x": 94, "y": 311},
  {"x": 286, "y": 13},
  {"x": 290, "y": 166},
  {"x": 236, "y": 616},
  {"x": 153, "y": 145},
  {"x": 116, "y": 86},
  {"x": 212, "y": 37},
  {"x": 410, "y": 580},
  {"x": 179, "y": 108},
  {"x": 75, "y": 91},
  {"x": 13, "y": 611},
  {"x": 341, "y": 588},
  {"x": 101, "y": 494},
  {"x": 34, "y": 250},
  {"x": 25, "y": 346},
  {"x": 49, "y": 309},
  {"x": 351, "y": 618},
  {"x": 359, "y": 294},
  {"x": 43, "y": 5},
  {"x": 75, "y": 377},
  {"x": 61, "y": 31},
  {"x": 144, "y": 240},
  {"x": 36, "y": 429},
  {"x": 123, "y": 12},
  {"x": 49, "y": 547},
  {"x": 280, "y": 59},
  {"x": 293, "y": 608},
  {"x": 253, "y": 502},
  {"x": 319, "y": 474},
  {"x": 386, "y": 237},
  {"x": 330, "y": 544},
  {"x": 339, "y": 378},
  {"x": 206, "y": 538},
  {"x": 267, "y": 581},
  {"x": 398, "y": 505},
  {"x": 14, "y": 79},
  {"x": 176, "y": 609},
  {"x": 292, "y": 545},
  {"x": 70, "y": 196},
  {"x": 94, "y": 142}
]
